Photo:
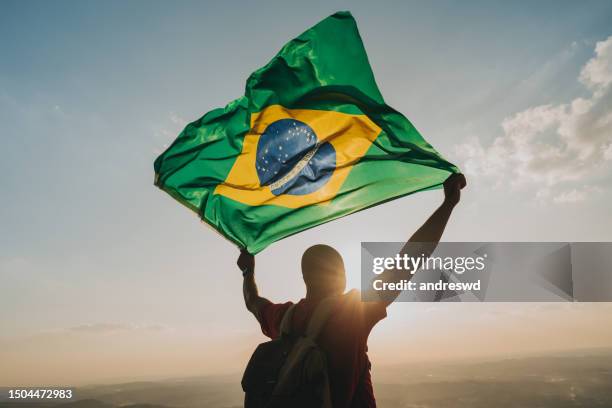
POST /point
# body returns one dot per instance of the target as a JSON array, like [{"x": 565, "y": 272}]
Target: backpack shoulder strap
[
  {"x": 285, "y": 324},
  {"x": 320, "y": 316}
]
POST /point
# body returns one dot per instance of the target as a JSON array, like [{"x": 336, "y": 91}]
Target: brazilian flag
[{"x": 310, "y": 141}]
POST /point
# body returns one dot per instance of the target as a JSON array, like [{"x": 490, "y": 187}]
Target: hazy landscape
[{"x": 570, "y": 379}]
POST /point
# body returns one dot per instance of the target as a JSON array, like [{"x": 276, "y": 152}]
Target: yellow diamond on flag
[{"x": 297, "y": 157}]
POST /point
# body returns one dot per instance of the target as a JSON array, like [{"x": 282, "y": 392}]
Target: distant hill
[
  {"x": 556, "y": 380},
  {"x": 85, "y": 403}
]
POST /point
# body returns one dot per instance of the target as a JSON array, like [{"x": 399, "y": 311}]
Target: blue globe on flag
[{"x": 291, "y": 161}]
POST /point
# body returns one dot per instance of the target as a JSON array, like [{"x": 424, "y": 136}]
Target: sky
[{"x": 103, "y": 277}]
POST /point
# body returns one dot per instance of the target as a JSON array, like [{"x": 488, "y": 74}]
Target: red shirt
[{"x": 344, "y": 339}]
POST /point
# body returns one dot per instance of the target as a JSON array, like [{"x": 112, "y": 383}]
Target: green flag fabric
[{"x": 310, "y": 141}]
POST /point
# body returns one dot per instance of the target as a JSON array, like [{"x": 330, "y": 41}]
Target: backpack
[{"x": 291, "y": 370}]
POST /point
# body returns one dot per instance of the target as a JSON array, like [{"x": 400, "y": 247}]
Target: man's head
[{"x": 323, "y": 270}]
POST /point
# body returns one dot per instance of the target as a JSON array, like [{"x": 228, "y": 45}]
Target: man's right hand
[
  {"x": 252, "y": 300},
  {"x": 246, "y": 262},
  {"x": 452, "y": 188}
]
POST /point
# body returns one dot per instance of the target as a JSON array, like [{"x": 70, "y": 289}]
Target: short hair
[{"x": 322, "y": 266}]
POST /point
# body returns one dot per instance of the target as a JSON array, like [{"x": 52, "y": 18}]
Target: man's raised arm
[
  {"x": 252, "y": 300},
  {"x": 425, "y": 240}
]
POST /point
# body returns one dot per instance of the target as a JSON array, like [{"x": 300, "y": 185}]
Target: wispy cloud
[
  {"x": 165, "y": 133},
  {"x": 557, "y": 148},
  {"x": 178, "y": 120},
  {"x": 575, "y": 195}
]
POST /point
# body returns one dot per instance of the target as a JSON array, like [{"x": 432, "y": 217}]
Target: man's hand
[
  {"x": 246, "y": 262},
  {"x": 452, "y": 188},
  {"x": 425, "y": 240},
  {"x": 252, "y": 300}
]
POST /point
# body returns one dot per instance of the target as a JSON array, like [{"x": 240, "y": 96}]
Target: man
[{"x": 345, "y": 334}]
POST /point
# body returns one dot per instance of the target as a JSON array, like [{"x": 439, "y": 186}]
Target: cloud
[
  {"x": 597, "y": 73},
  {"x": 165, "y": 133},
  {"x": 572, "y": 196},
  {"x": 553, "y": 147},
  {"x": 178, "y": 120}
]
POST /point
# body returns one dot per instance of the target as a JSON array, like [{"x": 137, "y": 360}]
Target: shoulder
[
  {"x": 270, "y": 317},
  {"x": 271, "y": 310},
  {"x": 371, "y": 312}
]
